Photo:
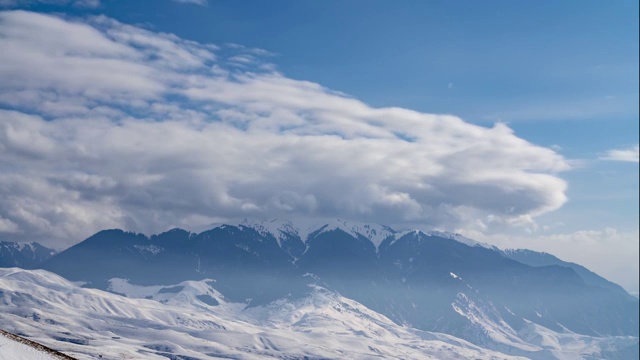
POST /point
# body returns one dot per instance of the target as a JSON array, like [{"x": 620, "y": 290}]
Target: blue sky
[
  {"x": 562, "y": 73},
  {"x": 563, "y": 76}
]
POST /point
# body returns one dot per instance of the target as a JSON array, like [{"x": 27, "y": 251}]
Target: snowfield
[
  {"x": 184, "y": 320},
  {"x": 192, "y": 320},
  {"x": 13, "y": 348}
]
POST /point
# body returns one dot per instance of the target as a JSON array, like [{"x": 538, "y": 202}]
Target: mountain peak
[
  {"x": 275, "y": 227},
  {"x": 27, "y": 255},
  {"x": 280, "y": 229},
  {"x": 376, "y": 233}
]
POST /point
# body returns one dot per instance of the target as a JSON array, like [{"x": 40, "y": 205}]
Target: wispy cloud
[
  {"x": 108, "y": 125},
  {"x": 195, "y": 2},
  {"x": 630, "y": 154},
  {"x": 624, "y": 105},
  {"x": 92, "y": 4}
]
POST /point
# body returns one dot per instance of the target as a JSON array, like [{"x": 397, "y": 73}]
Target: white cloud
[
  {"x": 630, "y": 154},
  {"x": 8, "y": 226},
  {"x": 116, "y": 126}
]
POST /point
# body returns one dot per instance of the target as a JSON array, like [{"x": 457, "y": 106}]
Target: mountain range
[
  {"x": 24, "y": 255},
  {"x": 512, "y": 302}
]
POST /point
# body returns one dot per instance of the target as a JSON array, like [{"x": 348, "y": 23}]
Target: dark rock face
[{"x": 426, "y": 280}]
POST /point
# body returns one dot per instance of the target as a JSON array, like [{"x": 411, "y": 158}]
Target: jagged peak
[
  {"x": 20, "y": 246},
  {"x": 275, "y": 227},
  {"x": 374, "y": 232},
  {"x": 281, "y": 229}
]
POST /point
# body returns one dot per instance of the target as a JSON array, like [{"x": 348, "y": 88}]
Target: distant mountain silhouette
[{"x": 535, "y": 258}]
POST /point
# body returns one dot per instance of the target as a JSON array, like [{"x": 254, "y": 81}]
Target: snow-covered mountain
[
  {"x": 192, "y": 320},
  {"x": 375, "y": 233},
  {"x": 429, "y": 281},
  {"x": 181, "y": 321},
  {"x": 293, "y": 238},
  {"x": 24, "y": 255}
]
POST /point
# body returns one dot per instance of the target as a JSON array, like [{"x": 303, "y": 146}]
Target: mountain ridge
[
  {"x": 432, "y": 281},
  {"x": 349, "y": 262},
  {"x": 25, "y": 255},
  {"x": 537, "y": 258}
]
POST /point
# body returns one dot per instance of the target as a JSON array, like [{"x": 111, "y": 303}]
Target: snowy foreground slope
[
  {"x": 194, "y": 321},
  {"x": 15, "y": 348}
]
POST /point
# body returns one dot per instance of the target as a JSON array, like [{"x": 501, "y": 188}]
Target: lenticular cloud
[{"x": 104, "y": 124}]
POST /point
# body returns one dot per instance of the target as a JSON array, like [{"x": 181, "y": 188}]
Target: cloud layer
[
  {"x": 103, "y": 124},
  {"x": 631, "y": 154}
]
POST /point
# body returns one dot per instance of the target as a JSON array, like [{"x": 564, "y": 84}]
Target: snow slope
[
  {"x": 15, "y": 348},
  {"x": 192, "y": 319},
  {"x": 533, "y": 340}
]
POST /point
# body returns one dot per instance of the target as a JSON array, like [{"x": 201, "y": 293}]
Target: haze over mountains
[{"x": 513, "y": 302}]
